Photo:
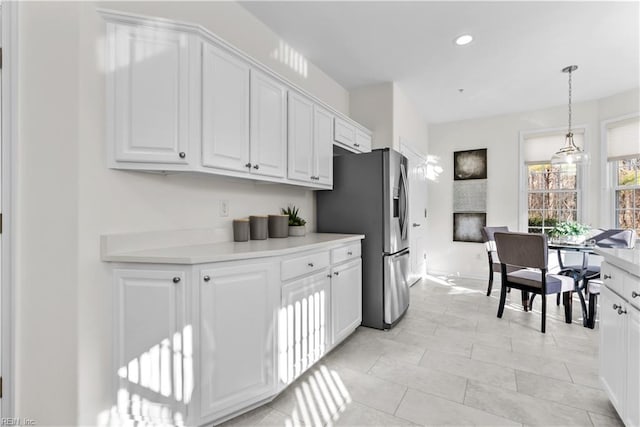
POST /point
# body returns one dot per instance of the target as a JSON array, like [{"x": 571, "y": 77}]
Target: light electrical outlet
[{"x": 224, "y": 208}]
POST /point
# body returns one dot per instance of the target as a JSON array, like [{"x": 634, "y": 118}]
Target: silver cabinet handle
[
  {"x": 182, "y": 154},
  {"x": 619, "y": 308},
  {"x": 415, "y": 224},
  {"x": 310, "y": 264},
  {"x": 256, "y": 166},
  {"x": 356, "y": 144},
  {"x": 329, "y": 276},
  {"x": 634, "y": 294},
  {"x": 336, "y": 273},
  {"x": 349, "y": 253},
  {"x": 248, "y": 165},
  {"x": 206, "y": 278},
  {"x": 606, "y": 276},
  {"x": 176, "y": 280}
]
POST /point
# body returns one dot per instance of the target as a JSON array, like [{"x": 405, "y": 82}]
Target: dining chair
[
  {"x": 492, "y": 255},
  {"x": 529, "y": 253}
]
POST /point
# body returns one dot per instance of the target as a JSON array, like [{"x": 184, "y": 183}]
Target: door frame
[
  {"x": 9, "y": 15},
  {"x": 405, "y": 148}
]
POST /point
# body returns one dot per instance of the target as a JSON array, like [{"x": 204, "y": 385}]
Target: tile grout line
[{"x": 400, "y": 402}]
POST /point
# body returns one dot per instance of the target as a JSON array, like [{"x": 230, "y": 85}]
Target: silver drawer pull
[
  {"x": 349, "y": 253},
  {"x": 606, "y": 276},
  {"x": 176, "y": 280},
  {"x": 619, "y": 308},
  {"x": 206, "y": 278},
  {"x": 310, "y": 264},
  {"x": 337, "y": 273}
]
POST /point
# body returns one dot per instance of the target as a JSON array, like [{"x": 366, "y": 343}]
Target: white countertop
[
  {"x": 200, "y": 253},
  {"x": 626, "y": 259}
]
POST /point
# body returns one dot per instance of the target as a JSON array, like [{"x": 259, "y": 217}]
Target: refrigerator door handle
[{"x": 404, "y": 215}]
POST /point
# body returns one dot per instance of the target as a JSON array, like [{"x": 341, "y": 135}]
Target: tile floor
[{"x": 451, "y": 361}]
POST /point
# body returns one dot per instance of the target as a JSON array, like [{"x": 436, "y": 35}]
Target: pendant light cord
[{"x": 569, "y": 131}]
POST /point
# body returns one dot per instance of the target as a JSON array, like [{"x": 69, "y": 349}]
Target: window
[
  {"x": 627, "y": 193},
  {"x": 552, "y": 195},
  {"x": 623, "y": 155}
]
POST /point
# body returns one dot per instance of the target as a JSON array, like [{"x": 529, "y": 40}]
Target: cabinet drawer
[
  {"x": 612, "y": 277},
  {"x": 300, "y": 265},
  {"x": 631, "y": 286},
  {"x": 345, "y": 253},
  {"x": 363, "y": 141},
  {"x": 344, "y": 132}
]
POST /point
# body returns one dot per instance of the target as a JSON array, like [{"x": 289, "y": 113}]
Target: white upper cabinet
[
  {"x": 268, "y": 126},
  {"x": 180, "y": 99},
  {"x": 310, "y": 142},
  {"x": 148, "y": 95},
  {"x": 225, "y": 110},
  {"x": 349, "y": 136},
  {"x": 300, "y": 138},
  {"x": 323, "y": 146}
]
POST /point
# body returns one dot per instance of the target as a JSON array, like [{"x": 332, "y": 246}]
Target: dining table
[{"x": 578, "y": 272}]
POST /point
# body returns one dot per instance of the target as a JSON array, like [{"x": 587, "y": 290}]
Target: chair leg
[
  {"x": 567, "y": 300},
  {"x": 531, "y": 302},
  {"x": 544, "y": 312},
  {"x": 525, "y": 301},
  {"x": 593, "y": 302},
  {"x": 503, "y": 299},
  {"x": 490, "y": 281},
  {"x": 557, "y": 299}
]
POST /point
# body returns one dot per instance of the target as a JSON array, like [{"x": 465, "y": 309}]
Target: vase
[{"x": 297, "y": 230}]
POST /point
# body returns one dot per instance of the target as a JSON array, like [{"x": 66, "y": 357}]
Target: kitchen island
[
  {"x": 620, "y": 331},
  {"x": 206, "y": 330}
]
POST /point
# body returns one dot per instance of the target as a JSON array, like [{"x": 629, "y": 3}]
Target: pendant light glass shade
[{"x": 570, "y": 153}]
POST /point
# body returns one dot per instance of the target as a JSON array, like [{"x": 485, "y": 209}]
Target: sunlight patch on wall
[
  {"x": 291, "y": 58},
  {"x": 433, "y": 168}
]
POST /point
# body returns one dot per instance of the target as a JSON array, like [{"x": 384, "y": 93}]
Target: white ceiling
[{"x": 512, "y": 65}]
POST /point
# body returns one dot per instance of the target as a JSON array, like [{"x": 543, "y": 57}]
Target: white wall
[
  {"x": 408, "y": 125},
  {"x": 372, "y": 106},
  {"x": 390, "y": 114},
  {"x": 500, "y": 135},
  {"x": 67, "y": 197}
]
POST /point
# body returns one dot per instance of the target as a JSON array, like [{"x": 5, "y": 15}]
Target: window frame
[
  {"x": 523, "y": 176},
  {"x": 615, "y": 187},
  {"x": 608, "y": 174}
]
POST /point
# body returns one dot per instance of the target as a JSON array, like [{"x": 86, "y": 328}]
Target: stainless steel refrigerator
[{"x": 370, "y": 197}]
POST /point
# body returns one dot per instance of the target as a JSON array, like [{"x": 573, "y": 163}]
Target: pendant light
[{"x": 570, "y": 153}]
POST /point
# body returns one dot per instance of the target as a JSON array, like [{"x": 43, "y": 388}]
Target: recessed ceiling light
[{"x": 464, "y": 39}]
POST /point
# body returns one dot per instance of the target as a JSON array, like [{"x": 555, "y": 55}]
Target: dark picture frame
[
  {"x": 467, "y": 226},
  {"x": 470, "y": 164}
]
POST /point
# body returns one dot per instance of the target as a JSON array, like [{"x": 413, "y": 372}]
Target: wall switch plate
[{"x": 224, "y": 208}]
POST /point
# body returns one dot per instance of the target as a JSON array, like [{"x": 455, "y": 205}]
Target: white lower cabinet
[
  {"x": 620, "y": 344},
  {"x": 151, "y": 333},
  {"x": 198, "y": 344},
  {"x": 305, "y": 314},
  {"x": 237, "y": 336},
  {"x": 346, "y": 289}
]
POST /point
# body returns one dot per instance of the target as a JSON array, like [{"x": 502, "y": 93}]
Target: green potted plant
[
  {"x": 296, "y": 224},
  {"x": 569, "y": 232}
]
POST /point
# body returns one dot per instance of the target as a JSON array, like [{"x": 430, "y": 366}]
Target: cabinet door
[
  {"x": 304, "y": 319},
  {"x": 152, "y": 340},
  {"x": 613, "y": 360},
  {"x": 237, "y": 337},
  {"x": 346, "y": 299},
  {"x": 363, "y": 141},
  {"x": 632, "y": 417},
  {"x": 323, "y": 146},
  {"x": 268, "y": 126},
  {"x": 300, "y": 165},
  {"x": 225, "y": 110},
  {"x": 148, "y": 84}
]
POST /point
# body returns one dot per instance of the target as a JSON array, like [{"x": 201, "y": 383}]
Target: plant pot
[
  {"x": 571, "y": 240},
  {"x": 297, "y": 230}
]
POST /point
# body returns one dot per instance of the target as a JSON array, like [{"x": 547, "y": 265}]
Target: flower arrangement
[{"x": 569, "y": 232}]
